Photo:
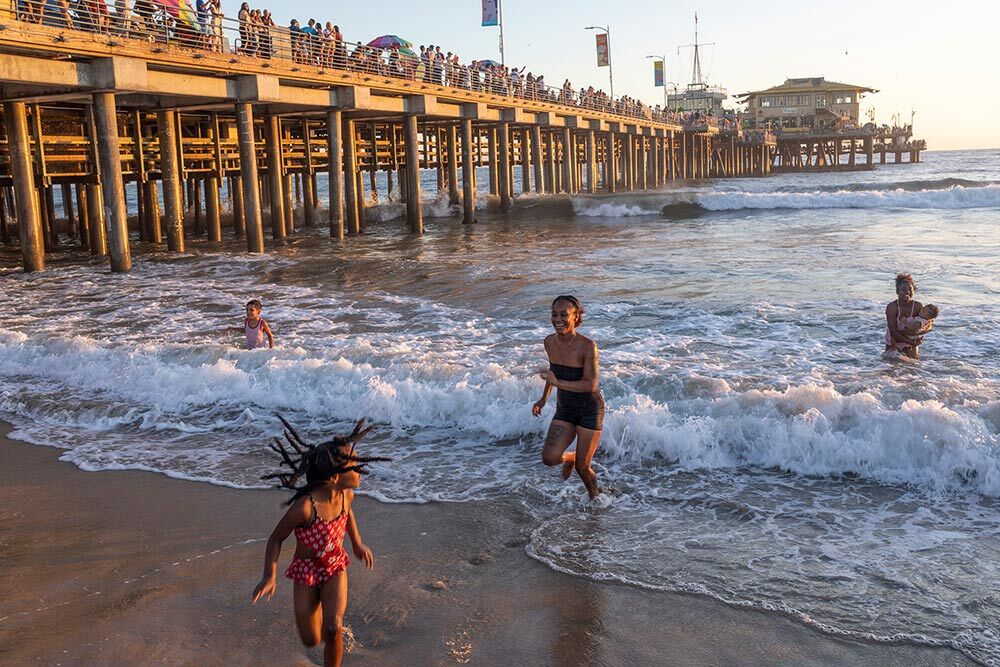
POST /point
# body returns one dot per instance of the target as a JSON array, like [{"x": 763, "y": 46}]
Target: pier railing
[{"x": 251, "y": 39}]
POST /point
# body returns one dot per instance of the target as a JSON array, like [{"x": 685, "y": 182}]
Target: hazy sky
[{"x": 941, "y": 59}]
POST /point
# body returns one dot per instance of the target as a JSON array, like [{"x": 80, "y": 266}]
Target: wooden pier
[
  {"x": 94, "y": 114},
  {"x": 844, "y": 151}
]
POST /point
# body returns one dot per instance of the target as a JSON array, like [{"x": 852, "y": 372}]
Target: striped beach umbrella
[{"x": 181, "y": 10}]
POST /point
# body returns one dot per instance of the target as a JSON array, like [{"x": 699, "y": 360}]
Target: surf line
[{"x": 133, "y": 580}]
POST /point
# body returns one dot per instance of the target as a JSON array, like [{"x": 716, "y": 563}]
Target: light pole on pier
[
  {"x": 673, "y": 87},
  {"x": 663, "y": 78},
  {"x": 611, "y": 75},
  {"x": 503, "y": 58}
]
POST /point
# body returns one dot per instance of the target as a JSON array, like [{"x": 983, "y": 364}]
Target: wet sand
[{"x": 134, "y": 568}]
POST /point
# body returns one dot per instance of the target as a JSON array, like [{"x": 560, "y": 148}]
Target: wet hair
[
  {"x": 254, "y": 303},
  {"x": 573, "y": 301},
  {"x": 318, "y": 463},
  {"x": 932, "y": 310},
  {"x": 905, "y": 278}
]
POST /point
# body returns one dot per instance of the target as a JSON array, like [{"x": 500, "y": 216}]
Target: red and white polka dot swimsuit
[{"x": 326, "y": 540}]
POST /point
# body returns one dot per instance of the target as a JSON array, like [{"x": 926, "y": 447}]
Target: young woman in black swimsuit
[{"x": 579, "y": 405}]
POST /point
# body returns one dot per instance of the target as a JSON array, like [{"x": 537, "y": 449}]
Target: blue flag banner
[
  {"x": 491, "y": 13},
  {"x": 658, "y": 73}
]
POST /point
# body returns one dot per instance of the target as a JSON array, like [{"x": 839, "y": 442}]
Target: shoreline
[{"x": 132, "y": 567}]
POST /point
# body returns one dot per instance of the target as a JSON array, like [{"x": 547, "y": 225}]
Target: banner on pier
[
  {"x": 603, "y": 59},
  {"x": 491, "y": 12},
  {"x": 658, "y": 73}
]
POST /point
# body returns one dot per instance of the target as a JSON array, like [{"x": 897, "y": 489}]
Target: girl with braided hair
[{"x": 320, "y": 514}]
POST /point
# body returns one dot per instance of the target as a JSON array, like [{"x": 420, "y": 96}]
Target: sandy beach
[{"x": 129, "y": 567}]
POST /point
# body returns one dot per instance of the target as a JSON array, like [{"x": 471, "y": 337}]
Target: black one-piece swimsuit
[{"x": 580, "y": 408}]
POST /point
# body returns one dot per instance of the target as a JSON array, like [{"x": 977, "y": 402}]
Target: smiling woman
[
  {"x": 579, "y": 404},
  {"x": 900, "y": 315}
]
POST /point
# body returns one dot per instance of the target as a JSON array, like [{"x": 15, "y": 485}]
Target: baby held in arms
[{"x": 921, "y": 324}]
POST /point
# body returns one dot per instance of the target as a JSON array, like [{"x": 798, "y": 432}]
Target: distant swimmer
[
  {"x": 573, "y": 370},
  {"x": 255, "y": 327},
  {"x": 904, "y": 327}
]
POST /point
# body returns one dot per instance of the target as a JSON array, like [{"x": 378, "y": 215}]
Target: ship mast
[{"x": 696, "y": 78}]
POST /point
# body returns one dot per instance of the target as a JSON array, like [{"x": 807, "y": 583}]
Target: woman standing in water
[
  {"x": 900, "y": 314},
  {"x": 579, "y": 405}
]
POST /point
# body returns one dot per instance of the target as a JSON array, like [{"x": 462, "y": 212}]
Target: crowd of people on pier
[{"x": 321, "y": 45}]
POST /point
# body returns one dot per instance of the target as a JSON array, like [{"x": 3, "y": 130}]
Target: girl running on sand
[
  {"x": 579, "y": 404},
  {"x": 901, "y": 315},
  {"x": 320, "y": 515}
]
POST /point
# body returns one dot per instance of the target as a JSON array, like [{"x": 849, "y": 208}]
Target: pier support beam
[
  {"x": 239, "y": 208},
  {"x": 525, "y": 160},
  {"x": 610, "y": 174},
  {"x": 212, "y": 184},
  {"x": 308, "y": 192},
  {"x": 335, "y": 166},
  {"x": 288, "y": 212},
  {"x": 351, "y": 198},
  {"x": 413, "y": 213},
  {"x": 452, "y": 145},
  {"x": 591, "y": 162},
  {"x": 83, "y": 215},
  {"x": 272, "y": 126},
  {"x": 504, "y": 159},
  {"x": 491, "y": 133},
  {"x": 536, "y": 158},
  {"x": 685, "y": 174},
  {"x": 468, "y": 175},
  {"x": 628, "y": 158},
  {"x": 166, "y": 124},
  {"x": 112, "y": 184},
  {"x": 29, "y": 221},
  {"x": 551, "y": 184},
  {"x": 249, "y": 188},
  {"x": 568, "y": 161},
  {"x": 95, "y": 201},
  {"x": 151, "y": 201}
]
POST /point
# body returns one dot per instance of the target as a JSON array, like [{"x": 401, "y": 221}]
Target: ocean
[{"x": 761, "y": 448}]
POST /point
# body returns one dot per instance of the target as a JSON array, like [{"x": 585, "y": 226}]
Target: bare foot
[{"x": 569, "y": 462}]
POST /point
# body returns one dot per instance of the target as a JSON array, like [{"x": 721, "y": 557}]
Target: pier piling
[
  {"x": 166, "y": 123},
  {"x": 29, "y": 223},
  {"x": 414, "y": 215},
  {"x": 249, "y": 179},
  {"x": 468, "y": 175},
  {"x": 335, "y": 169}
]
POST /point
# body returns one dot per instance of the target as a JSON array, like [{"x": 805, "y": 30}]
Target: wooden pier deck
[{"x": 94, "y": 113}]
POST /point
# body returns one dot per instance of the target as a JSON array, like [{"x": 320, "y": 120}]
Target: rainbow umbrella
[
  {"x": 389, "y": 41},
  {"x": 181, "y": 10}
]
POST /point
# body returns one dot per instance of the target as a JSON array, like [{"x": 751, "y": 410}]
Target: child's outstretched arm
[
  {"x": 295, "y": 516},
  {"x": 361, "y": 550},
  {"x": 267, "y": 332}
]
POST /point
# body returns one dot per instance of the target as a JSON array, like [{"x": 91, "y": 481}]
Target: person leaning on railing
[{"x": 245, "y": 29}]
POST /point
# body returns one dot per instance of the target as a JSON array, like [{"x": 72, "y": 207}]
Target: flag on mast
[
  {"x": 603, "y": 59},
  {"x": 491, "y": 12},
  {"x": 658, "y": 73}
]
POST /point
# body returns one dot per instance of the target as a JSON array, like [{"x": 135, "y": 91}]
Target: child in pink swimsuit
[
  {"x": 320, "y": 515},
  {"x": 255, "y": 327}
]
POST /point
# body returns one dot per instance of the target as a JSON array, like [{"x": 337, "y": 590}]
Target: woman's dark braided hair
[{"x": 318, "y": 462}]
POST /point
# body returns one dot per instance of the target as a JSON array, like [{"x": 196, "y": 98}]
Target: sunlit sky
[{"x": 940, "y": 59}]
